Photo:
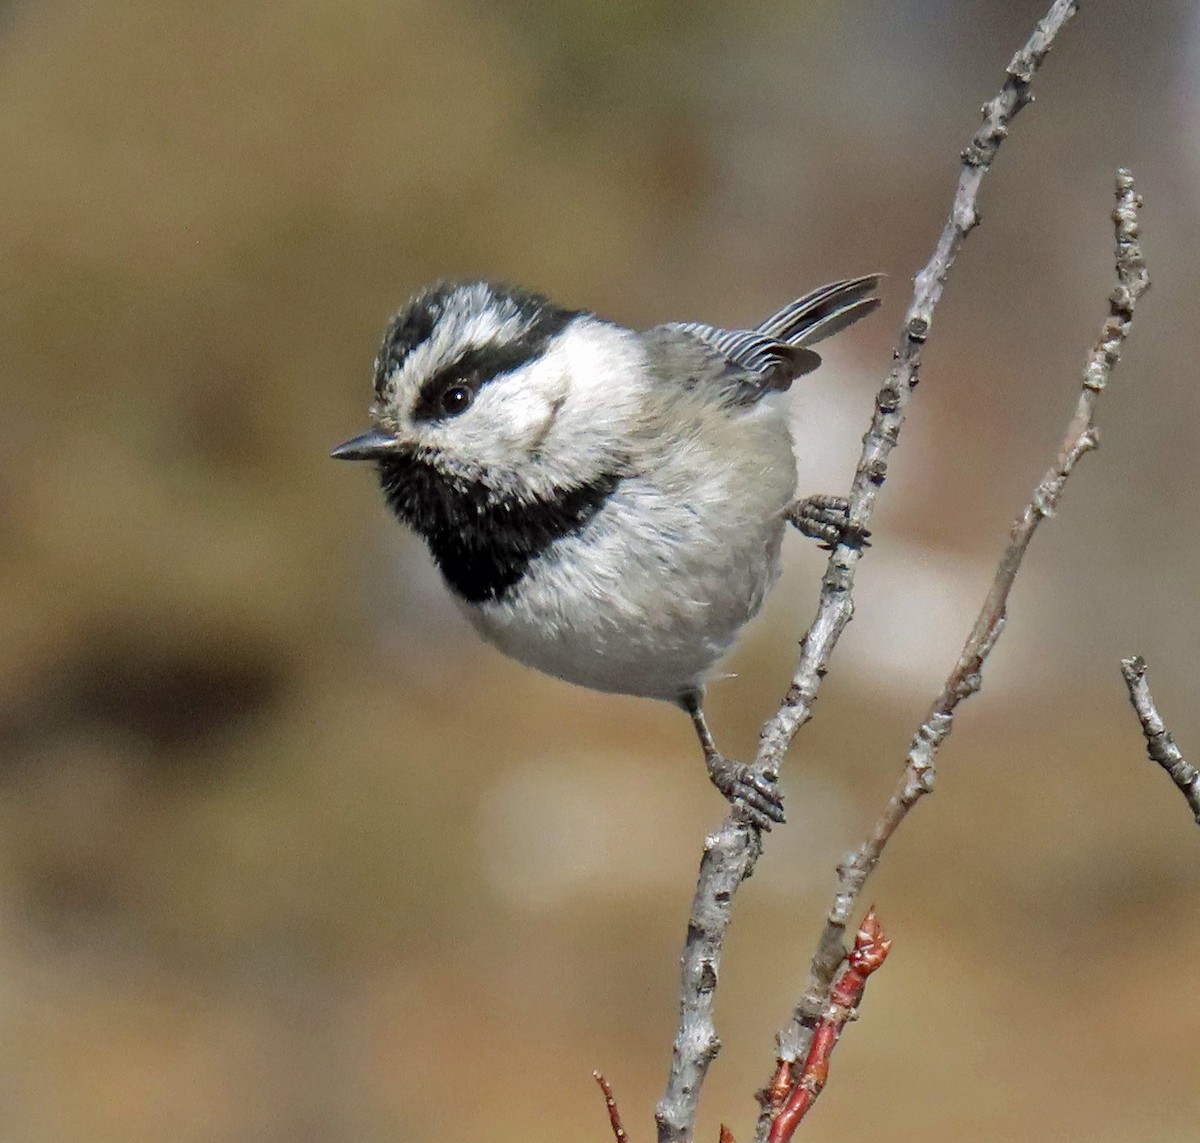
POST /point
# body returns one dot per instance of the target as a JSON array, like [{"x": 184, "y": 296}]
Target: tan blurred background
[{"x": 286, "y": 854}]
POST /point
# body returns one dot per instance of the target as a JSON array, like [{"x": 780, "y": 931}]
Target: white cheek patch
[
  {"x": 602, "y": 370},
  {"x": 563, "y": 419},
  {"x": 607, "y": 367},
  {"x": 560, "y": 421},
  {"x": 506, "y": 424},
  {"x": 517, "y": 406}
]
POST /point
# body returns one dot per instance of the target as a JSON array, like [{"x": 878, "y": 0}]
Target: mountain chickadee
[{"x": 605, "y": 505}]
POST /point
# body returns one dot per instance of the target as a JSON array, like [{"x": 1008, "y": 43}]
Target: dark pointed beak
[{"x": 370, "y": 446}]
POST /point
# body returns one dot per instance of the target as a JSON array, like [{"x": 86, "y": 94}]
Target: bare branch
[
  {"x": 730, "y": 854},
  {"x": 836, "y": 606},
  {"x": 965, "y": 680},
  {"x": 1159, "y": 743}
]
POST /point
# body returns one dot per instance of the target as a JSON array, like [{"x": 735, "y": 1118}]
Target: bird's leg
[
  {"x": 826, "y": 518},
  {"x": 754, "y": 797}
]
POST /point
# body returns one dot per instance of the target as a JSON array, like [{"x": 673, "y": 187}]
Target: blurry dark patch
[
  {"x": 177, "y": 701},
  {"x": 173, "y": 697},
  {"x": 71, "y": 902}
]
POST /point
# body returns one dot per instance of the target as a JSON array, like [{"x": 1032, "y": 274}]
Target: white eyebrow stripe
[{"x": 453, "y": 336}]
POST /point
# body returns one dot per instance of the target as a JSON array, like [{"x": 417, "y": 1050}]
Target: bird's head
[{"x": 494, "y": 392}]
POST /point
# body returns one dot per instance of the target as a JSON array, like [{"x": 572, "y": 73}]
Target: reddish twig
[
  {"x": 869, "y": 952},
  {"x": 610, "y": 1101},
  {"x": 966, "y": 678},
  {"x": 1160, "y": 745}
]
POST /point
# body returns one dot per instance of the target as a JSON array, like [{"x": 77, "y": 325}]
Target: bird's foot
[
  {"x": 754, "y": 797},
  {"x": 827, "y": 519}
]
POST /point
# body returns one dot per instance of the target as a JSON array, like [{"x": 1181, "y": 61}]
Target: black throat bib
[{"x": 482, "y": 543}]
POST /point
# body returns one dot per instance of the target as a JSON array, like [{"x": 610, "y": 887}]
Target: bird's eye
[{"x": 457, "y": 399}]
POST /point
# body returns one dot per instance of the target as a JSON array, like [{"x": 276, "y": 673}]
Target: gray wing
[{"x": 748, "y": 363}]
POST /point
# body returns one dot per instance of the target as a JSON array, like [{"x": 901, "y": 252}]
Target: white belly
[{"x": 653, "y": 592}]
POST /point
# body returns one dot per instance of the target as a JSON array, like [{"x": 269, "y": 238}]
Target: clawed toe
[
  {"x": 826, "y": 519},
  {"x": 754, "y": 797}
]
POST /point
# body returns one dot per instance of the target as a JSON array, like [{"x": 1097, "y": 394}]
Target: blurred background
[{"x": 287, "y": 854}]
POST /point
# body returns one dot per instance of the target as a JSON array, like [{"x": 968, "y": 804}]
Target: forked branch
[
  {"x": 917, "y": 778},
  {"x": 731, "y": 852}
]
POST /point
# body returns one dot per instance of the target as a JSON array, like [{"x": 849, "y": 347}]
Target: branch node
[
  {"x": 917, "y": 329},
  {"x": 870, "y": 946},
  {"x": 1022, "y": 66}
]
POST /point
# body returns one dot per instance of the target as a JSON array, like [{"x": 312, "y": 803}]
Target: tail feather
[{"x": 823, "y": 312}]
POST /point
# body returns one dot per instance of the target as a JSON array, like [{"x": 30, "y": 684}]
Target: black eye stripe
[{"x": 473, "y": 369}]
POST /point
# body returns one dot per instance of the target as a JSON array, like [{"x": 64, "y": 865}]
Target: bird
[{"x": 604, "y": 504}]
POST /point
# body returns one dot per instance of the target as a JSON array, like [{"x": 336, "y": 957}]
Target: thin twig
[
  {"x": 614, "y": 1114},
  {"x": 965, "y": 680},
  {"x": 730, "y": 853},
  {"x": 1159, "y": 743},
  {"x": 868, "y": 954}
]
